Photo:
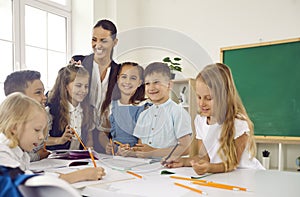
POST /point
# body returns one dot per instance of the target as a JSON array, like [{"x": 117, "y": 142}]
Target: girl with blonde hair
[
  {"x": 23, "y": 125},
  {"x": 224, "y": 131}
]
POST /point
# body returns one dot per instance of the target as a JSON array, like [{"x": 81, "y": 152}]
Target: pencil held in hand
[
  {"x": 170, "y": 154},
  {"x": 92, "y": 157},
  {"x": 112, "y": 147},
  {"x": 79, "y": 139}
]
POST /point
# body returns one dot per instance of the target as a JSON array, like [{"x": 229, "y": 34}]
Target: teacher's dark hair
[{"x": 108, "y": 25}]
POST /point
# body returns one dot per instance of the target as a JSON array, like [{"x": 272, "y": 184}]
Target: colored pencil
[
  {"x": 187, "y": 179},
  {"x": 134, "y": 174},
  {"x": 170, "y": 154},
  {"x": 79, "y": 139},
  {"x": 112, "y": 147},
  {"x": 221, "y": 186},
  {"x": 119, "y": 143},
  {"x": 210, "y": 184},
  {"x": 191, "y": 188},
  {"x": 92, "y": 157}
]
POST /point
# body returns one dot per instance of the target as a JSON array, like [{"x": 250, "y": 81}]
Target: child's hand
[
  {"x": 87, "y": 174},
  {"x": 172, "y": 163},
  {"x": 91, "y": 174},
  {"x": 43, "y": 153},
  {"x": 108, "y": 148},
  {"x": 201, "y": 166},
  {"x": 124, "y": 146},
  {"x": 126, "y": 152},
  {"x": 143, "y": 148},
  {"x": 67, "y": 136}
]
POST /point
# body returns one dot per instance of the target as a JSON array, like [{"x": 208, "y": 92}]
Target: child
[
  {"x": 223, "y": 128},
  {"x": 23, "y": 124},
  {"x": 69, "y": 108},
  {"x": 165, "y": 124},
  {"x": 127, "y": 104},
  {"x": 29, "y": 83}
]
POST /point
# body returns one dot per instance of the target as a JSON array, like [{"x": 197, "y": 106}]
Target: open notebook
[{"x": 72, "y": 154}]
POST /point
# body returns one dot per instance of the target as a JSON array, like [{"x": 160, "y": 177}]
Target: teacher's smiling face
[{"x": 102, "y": 43}]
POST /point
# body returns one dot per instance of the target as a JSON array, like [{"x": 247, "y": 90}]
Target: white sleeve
[
  {"x": 241, "y": 127},
  {"x": 197, "y": 123}
]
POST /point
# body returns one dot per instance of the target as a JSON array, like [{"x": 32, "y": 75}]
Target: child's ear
[
  {"x": 14, "y": 129},
  {"x": 170, "y": 85}
]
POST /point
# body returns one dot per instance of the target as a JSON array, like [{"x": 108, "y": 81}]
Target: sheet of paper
[
  {"x": 111, "y": 176},
  {"x": 124, "y": 163}
]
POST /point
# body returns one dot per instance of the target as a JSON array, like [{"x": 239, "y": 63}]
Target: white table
[{"x": 260, "y": 183}]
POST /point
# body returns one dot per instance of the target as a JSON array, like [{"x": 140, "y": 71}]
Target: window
[{"x": 35, "y": 36}]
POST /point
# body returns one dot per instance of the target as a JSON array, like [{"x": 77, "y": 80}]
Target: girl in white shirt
[
  {"x": 23, "y": 124},
  {"x": 224, "y": 131}
]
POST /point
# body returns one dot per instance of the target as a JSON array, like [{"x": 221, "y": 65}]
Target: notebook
[{"x": 72, "y": 154}]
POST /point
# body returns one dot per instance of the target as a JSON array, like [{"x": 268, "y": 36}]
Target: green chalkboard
[{"x": 267, "y": 76}]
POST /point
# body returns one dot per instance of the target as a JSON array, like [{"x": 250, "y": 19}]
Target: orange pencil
[
  {"x": 191, "y": 188},
  {"x": 221, "y": 186},
  {"x": 134, "y": 174},
  {"x": 112, "y": 147},
  {"x": 92, "y": 157},
  {"x": 187, "y": 179},
  {"x": 79, "y": 139},
  {"x": 119, "y": 143}
]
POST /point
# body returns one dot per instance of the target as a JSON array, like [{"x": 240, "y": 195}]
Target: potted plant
[{"x": 174, "y": 65}]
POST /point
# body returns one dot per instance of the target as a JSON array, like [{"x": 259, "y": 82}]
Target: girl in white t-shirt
[{"x": 224, "y": 132}]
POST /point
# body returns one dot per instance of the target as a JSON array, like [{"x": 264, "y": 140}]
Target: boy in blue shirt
[{"x": 165, "y": 124}]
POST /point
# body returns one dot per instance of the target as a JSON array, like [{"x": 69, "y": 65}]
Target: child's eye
[
  {"x": 38, "y": 92},
  {"x": 147, "y": 83},
  {"x": 156, "y": 82},
  {"x": 123, "y": 76},
  {"x": 133, "y": 78}
]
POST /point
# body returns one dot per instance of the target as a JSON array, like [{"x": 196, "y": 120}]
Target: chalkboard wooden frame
[{"x": 239, "y": 59}]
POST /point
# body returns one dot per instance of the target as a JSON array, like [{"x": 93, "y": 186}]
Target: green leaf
[
  {"x": 166, "y": 59},
  {"x": 177, "y": 58}
]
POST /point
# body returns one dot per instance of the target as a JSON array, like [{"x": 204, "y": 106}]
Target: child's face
[
  {"x": 157, "y": 88},
  {"x": 35, "y": 90},
  {"x": 204, "y": 98},
  {"x": 129, "y": 80},
  {"x": 31, "y": 134},
  {"x": 78, "y": 89}
]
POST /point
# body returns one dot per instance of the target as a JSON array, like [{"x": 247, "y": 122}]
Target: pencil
[
  {"x": 119, "y": 143},
  {"x": 112, "y": 147},
  {"x": 191, "y": 188},
  {"x": 92, "y": 157},
  {"x": 165, "y": 160},
  {"x": 210, "y": 184},
  {"x": 221, "y": 186},
  {"x": 79, "y": 139},
  {"x": 134, "y": 174},
  {"x": 187, "y": 179}
]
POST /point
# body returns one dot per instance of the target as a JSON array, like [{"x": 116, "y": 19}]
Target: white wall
[{"x": 211, "y": 24}]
